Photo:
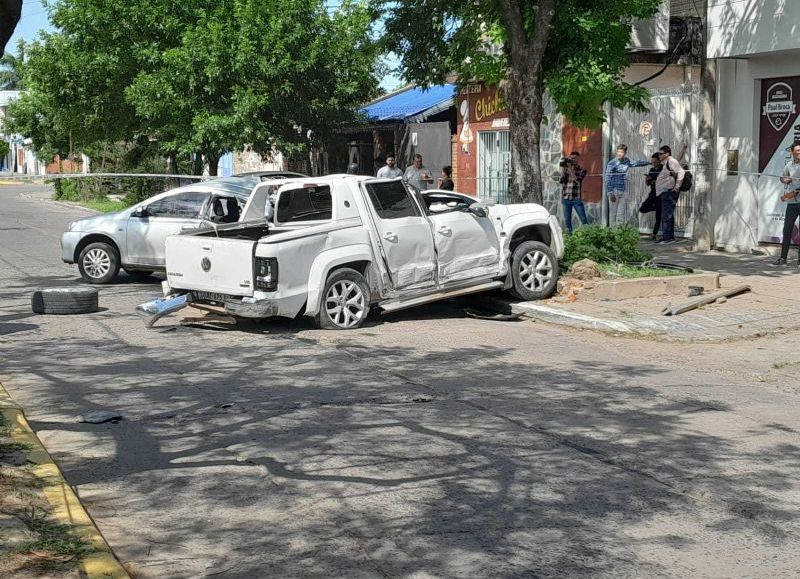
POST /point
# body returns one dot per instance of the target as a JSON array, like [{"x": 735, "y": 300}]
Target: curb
[
  {"x": 560, "y": 317},
  {"x": 67, "y": 508}
]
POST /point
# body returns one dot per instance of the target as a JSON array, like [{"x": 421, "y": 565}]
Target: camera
[{"x": 565, "y": 162}]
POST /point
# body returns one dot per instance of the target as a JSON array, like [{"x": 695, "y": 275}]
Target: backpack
[{"x": 686, "y": 184}]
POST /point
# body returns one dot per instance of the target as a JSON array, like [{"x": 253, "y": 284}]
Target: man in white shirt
[
  {"x": 668, "y": 187},
  {"x": 417, "y": 175},
  {"x": 389, "y": 170}
]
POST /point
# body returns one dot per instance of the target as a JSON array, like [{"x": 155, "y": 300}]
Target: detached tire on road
[
  {"x": 70, "y": 300},
  {"x": 98, "y": 262},
  {"x": 534, "y": 271},
  {"x": 345, "y": 301}
]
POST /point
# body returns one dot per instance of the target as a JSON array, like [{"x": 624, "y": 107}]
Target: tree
[
  {"x": 10, "y": 66},
  {"x": 576, "y": 49},
  {"x": 197, "y": 76}
]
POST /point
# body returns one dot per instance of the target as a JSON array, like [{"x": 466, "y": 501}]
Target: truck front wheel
[
  {"x": 345, "y": 301},
  {"x": 534, "y": 271}
]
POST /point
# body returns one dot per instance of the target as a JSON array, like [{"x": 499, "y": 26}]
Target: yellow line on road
[{"x": 67, "y": 508}]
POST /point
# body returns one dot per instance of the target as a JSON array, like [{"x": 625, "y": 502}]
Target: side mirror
[
  {"x": 478, "y": 210},
  {"x": 141, "y": 212}
]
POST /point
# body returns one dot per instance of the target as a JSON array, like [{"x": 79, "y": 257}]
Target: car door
[
  {"x": 467, "y": 246},
  {"x": 404, "y": 235},
  {"x": 165, "y": 216}
]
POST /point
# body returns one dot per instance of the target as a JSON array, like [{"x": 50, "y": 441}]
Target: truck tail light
[{"x": 266, "y": 274}]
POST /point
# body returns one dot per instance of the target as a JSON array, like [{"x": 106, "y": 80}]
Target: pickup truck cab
[{"x": 333, "y": 247}]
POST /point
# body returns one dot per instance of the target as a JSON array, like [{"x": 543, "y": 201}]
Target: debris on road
[
  {"x": 481, "y": 315},
  {"x": 671, "y": 310},
  {"x": 100, "y": 416}
]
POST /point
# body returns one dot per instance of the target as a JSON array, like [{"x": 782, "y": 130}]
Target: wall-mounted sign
[{"x": 779, "y": 128}]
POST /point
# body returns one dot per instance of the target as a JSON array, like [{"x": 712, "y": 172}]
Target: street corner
[{"x": 47, "y": 532}]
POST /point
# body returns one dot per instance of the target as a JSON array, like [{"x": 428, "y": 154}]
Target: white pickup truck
[{"x": 333, "y": 247}]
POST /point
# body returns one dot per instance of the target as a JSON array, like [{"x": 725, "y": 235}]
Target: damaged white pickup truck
[{"x": 333, "y": 247}]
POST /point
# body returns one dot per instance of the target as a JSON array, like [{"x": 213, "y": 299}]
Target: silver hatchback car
[{"x": 133, "y": 239}]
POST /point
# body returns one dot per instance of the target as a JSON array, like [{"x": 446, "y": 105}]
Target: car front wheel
[
  {"x": 345, "y": 301},
  {"x": 98, "y": 262},
  {"x": 534, "y": 271}
]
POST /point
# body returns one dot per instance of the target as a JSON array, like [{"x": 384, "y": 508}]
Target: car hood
[{"x": 97, "y": 221}]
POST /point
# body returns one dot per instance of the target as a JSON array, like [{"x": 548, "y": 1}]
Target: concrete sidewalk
[{"x": 772, "y": 306}]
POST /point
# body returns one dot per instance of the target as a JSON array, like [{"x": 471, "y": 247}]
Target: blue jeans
[
  {"x": 669, "y": 199},
  {"x": 568, "y": 204}
]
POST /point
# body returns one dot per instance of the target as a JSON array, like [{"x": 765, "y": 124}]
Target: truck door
[
  {"x": 467, "y": 245},
  {"x": 404, "y": 234}
]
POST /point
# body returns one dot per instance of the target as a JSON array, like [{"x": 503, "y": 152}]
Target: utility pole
[{"x": 706, "y": 144}]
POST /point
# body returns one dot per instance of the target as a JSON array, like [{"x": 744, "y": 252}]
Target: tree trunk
[
  {"x": 525, "y": 118},
  {"x": 197, "y": 164},
  {"x": 172, "y": 169},
  {"x": 213, "y": 163}
]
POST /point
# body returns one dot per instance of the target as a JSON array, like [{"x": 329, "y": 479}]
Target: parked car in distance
[
  {"x": 133, "y": 239},
  {"x": 339, "y": 245}
]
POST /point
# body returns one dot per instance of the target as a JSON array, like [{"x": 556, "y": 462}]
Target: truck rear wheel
[
  {"x": 345, "y": 301},
  {"x": 534, "y": 271}
]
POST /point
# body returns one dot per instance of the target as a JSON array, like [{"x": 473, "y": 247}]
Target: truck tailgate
[{"x": 212, "y": 264}]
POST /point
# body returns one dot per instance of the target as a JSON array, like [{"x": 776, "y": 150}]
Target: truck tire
[
  {"x": 345, "y": 301},
  {"x": 65, "y": 300},
  {"x": 534, "y": 271},
  {"x": 98, "y": 262}
]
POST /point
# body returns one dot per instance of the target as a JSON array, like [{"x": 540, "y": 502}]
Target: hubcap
[
  {"x": 96, "y": 263},
  {"x": 345, "y": 304},
  {"x": 535, "y": 270}
]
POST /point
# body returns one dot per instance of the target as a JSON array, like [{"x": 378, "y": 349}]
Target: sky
[{"x": 34, "y": 19}]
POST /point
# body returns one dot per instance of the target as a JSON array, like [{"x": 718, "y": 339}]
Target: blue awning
[{"x": 411, "y": 104}]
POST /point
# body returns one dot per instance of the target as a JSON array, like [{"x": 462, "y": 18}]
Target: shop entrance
[{"x": 494, "y": 165}]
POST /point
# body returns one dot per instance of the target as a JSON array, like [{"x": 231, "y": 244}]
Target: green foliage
[
  {"x": 10, "y": 66},
  {"x": 4, "y": 149},
  {"x": 618, "y": 244},
  {"x": 196, "y": 76},
  {"x": 583, "y": 60}
]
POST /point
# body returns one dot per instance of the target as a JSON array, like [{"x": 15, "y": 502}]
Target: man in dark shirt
[
  {"x": 653, "y": 202},
  {"x": 572, "y": 176}
]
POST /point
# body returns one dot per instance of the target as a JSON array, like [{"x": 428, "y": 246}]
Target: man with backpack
[{"x": 668, "y": 185}]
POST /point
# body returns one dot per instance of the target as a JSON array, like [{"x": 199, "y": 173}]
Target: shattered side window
[{"x": 391, "y": 200}]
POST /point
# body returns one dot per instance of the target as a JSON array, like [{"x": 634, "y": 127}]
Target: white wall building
[
  {"x": 756, "y": 44},
  {"x": 21, "y": 158}
]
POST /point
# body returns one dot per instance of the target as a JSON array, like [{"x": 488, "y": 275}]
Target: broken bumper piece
[{"x": 154, "y": 310}]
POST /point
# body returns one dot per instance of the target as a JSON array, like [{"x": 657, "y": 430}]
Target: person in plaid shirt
[{"x": 572, "y": 175}]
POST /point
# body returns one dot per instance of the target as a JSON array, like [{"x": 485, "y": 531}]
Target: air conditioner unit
[{"x": 652, "y": 34}]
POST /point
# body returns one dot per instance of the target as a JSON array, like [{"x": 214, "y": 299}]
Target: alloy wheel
[
  {"x": 345, "y": 304},
  {"x": 96, "y": 263},
  {"x": 535, "y": 270}
]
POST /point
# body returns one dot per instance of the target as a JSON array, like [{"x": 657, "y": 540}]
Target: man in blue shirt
[{"x": 617, "y": 185}]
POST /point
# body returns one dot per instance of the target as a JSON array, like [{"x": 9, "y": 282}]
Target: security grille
[{"x": 494, "y": 165}]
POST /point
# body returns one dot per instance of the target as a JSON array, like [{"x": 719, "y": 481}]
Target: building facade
[{"x": 756, "y": 48}]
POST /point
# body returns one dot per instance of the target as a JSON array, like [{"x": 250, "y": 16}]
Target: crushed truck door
[{"x": 404, "y": 234}]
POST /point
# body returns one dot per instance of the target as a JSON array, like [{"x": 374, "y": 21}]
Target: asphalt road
[{"x": 426, "y": 444}]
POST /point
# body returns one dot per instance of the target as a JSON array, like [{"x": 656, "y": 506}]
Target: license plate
[{"x": 210, "y": 297}]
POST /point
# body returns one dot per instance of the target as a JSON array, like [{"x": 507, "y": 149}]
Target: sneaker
[
  {"x": 667, "y": 241},
  {"x": 780, "y": 262}
]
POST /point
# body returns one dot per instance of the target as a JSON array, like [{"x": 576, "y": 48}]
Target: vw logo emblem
[{"x": 205, "y": 263}]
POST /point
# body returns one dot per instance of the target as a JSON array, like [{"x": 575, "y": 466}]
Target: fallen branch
[{"x": 671, "y": 310}]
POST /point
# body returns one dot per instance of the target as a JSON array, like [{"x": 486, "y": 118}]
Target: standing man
[
  {"x": 389, "y": 170},
  {"x": 417, "y": 175},
  {"x": 653, "y": 201},
  {"x": 572, "y": 176},
  {"x": 668, "y": 186},
  {"x": 617, "y": 185},
  {"x": 790, "y": 178}
]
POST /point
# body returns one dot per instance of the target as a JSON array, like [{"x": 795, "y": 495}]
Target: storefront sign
[
  {"x": 780, "y": 127},
  {"x": 488, "y": 106}
]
